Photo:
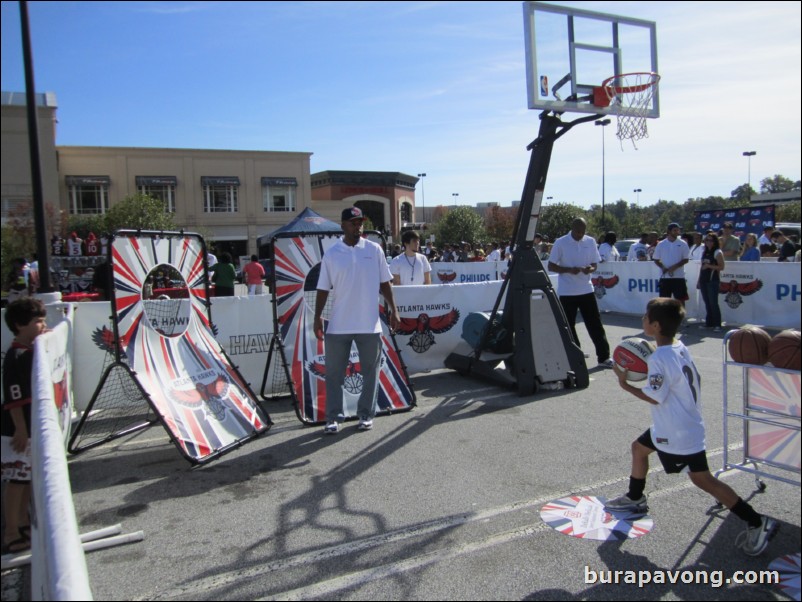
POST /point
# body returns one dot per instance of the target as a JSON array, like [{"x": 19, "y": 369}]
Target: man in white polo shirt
[
  {"x": 670, "y": 255},
  {"x": 354, "y": 270},
  {"x": 575, "y": 257}
]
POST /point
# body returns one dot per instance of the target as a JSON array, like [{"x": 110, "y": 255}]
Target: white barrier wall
[
  {"x": 245, "y": 325},
  {"x": 467, "y": 273},
  {"x": 58, "y": 566},
  {"x": 763, "y": 294},
  {"x": 432, "y": 317}
]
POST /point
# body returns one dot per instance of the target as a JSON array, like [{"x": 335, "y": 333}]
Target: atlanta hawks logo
[
  {"x": 353, "y": 377},
  {"x": 212, "y": 395},
  {"x": 733, "y": 291},
  {"x": 104, "y": 339},
  {"x": 600, "y": 285},
  {"x": 424, "y": 327},
  {"x": 446, "y": 275}
]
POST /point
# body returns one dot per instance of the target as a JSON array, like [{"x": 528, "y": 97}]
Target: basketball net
[{"x": 630, "y": 98}]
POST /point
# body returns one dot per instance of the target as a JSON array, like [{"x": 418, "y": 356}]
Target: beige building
[
  {"x": 15, "y": 184},
  {"x": 231, "y": 196}
]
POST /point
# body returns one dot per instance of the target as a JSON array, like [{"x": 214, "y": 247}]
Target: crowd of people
[
  {"x": 773, "y": 244},
  {"x": 464, "y": 252}
]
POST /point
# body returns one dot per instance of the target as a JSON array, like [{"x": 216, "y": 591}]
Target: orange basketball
[
  {"x": 750, "y": 345},
  {"x": 784, "y": 350}
]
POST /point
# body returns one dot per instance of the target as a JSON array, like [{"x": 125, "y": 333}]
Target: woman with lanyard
[
  {"x": 709, "y": 277},
  {"x": 410, "y": 267}
]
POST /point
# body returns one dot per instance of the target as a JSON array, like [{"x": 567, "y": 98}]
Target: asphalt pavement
[{"x": 441, "y": 502}]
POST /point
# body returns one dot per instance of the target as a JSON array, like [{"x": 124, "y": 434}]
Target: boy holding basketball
[{"x": 678, "y": 432}]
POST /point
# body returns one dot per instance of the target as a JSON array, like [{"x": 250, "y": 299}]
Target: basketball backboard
[{"x": 570, "y": 52}]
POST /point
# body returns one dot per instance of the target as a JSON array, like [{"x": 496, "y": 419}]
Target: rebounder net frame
[
  {"x": 296, "y": 258},
  {"x": 169, "y": 368}
]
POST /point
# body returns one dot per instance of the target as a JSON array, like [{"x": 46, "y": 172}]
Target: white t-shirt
[
  {"x": 673, "y": 383},
  {"x": 570, "y": 253},
  {"x": 638, "y": 252},
  {"x": 410, "y": 270},
  {"x": 608, "y": 252},
  {"x": 352, "y": 275},
  {"x": 672, "y": 252},
  {"x": 696, "y": 252},
  {"x": 495, "y": 255}
]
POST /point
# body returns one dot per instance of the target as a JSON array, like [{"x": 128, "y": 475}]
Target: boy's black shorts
[{"x": 674, "y": 463}]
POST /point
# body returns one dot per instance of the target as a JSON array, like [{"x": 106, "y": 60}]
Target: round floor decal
[
  {"x": 789, "y": 569},
  {"x": 586, "y": 517}
]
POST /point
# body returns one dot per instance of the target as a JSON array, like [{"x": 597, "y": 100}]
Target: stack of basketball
[{"x": 752, "y": 345}]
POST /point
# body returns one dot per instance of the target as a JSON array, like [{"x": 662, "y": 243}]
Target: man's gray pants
[{"x": 338, "y": 355}]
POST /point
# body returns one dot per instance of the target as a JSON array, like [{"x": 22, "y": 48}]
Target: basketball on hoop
[
  {"x": 784, "y": 350},
  {"x": 633, "y": 355},
  {"x": 749, "y": 345}
]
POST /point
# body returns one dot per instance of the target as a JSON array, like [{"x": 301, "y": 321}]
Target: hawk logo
[
  {"x": 104, "y": 339},
  {"x": 600, "y": 285},
  {"x": 353, "y": 377},
  {"x": 446, "y": 275},
  {"x": 733, "y": 291},
  {"x": 212, "y": 395},
  {"x": 424, "y": 327}
]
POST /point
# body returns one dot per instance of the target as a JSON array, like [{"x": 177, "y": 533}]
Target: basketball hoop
[{"x": 630, "y": 98}]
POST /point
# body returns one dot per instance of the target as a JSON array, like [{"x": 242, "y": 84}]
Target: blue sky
[{"x": 434, "y": 87}]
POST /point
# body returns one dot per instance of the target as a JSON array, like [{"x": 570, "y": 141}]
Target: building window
[
  {"x": 88, "y": 195},
  {"x": 278, "y": 194},
  {"x": 159, "y": 187},
  {"x": 220, "y": 194},
  {"x": 406, "y": 212}
]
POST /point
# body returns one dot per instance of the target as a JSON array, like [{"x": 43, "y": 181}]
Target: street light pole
[
  {"x": 455, "y": 195},
  {"x": 749, "y": 155},
  {"x": 638, "y": 191},
  {"x": 422, "y": 200},
  {"x": 603, "y": 123}
]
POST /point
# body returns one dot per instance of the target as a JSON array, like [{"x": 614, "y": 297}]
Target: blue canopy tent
[{"x": 307, "y": 222}]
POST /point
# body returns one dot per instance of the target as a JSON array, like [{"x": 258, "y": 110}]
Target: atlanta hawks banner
[
  {"x": 763, "y": 293},
  {"x": 296, "y": 268},
  {"x": 432, "y": 319},
  {"x": 202, "y": 400}
]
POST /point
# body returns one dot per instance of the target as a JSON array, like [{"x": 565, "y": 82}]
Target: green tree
[
  {"x": 135, "y": 212},
  {"x": 555, "y": 220},
  {"x": 139, "y": 212},
  {"x": 743, "y": 193},
  {"x": 461, "y": 224},
  {"x": 788, "y": 212},
  {"x": 19, "y": 233},
  {"x": 777, "y": 183},
  {"x": 499, "y": 223}
]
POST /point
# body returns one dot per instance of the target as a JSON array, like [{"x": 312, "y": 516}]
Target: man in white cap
[{"x": 354, "y": 270}]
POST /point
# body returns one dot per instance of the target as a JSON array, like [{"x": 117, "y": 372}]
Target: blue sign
[{"x": 744, "y": 220}]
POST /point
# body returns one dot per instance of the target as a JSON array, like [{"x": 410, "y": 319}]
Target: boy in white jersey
[{"x": 678, "y": 432}]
